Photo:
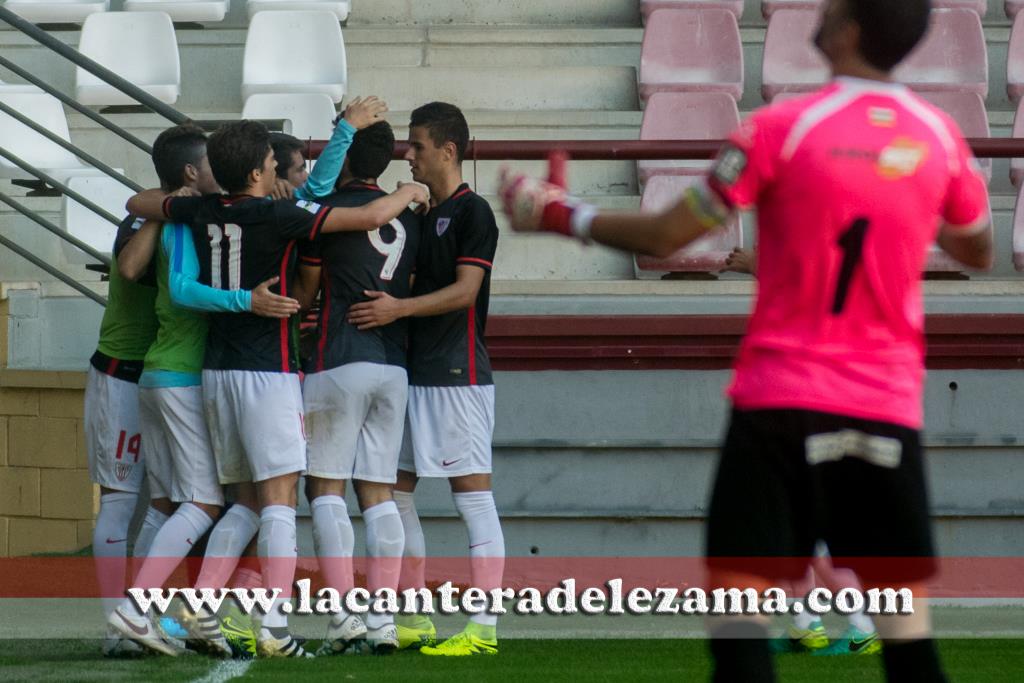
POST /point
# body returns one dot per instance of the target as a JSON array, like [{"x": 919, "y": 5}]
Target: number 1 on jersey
[
  {"x": 217, "y": 234},
  {"x": 852, "y": 244},
  {"x": 392, "y": 250}
]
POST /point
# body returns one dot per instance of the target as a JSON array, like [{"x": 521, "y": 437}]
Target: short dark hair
[
  {"x": 889, "y": 29},
  {"x": 236, "y": 149},
  {"x": 174, "y": 149},
  {"x": 445, "y": 123},
  {"x": 285, "y": 146},
  {"x": 371, "y": 150}
]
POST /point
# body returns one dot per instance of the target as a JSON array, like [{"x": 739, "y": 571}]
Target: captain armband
[{"x": 706, "y": 206}]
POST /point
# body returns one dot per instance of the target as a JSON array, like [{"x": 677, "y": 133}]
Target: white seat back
[
  {"x": 81, "y": 222},
  {"x": 24, "y": 142},
  {"x": 314, "y": 60},
  {"x": 310, "y": 114}
]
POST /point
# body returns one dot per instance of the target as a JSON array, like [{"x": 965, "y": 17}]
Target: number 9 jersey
[
  {"x": 381, "y": 260},
  {"x": 851, "y": 185}
]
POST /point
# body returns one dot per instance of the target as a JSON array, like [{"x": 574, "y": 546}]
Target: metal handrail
[
  {"x": 40, "y": 263},
  {"x": 53, "y": 182},
  {"x": 37, "y": 218},
  {"x": 95, "y": 68},
  {"x": 85, "y": 156},
  {"x": 70, "y": 102}
]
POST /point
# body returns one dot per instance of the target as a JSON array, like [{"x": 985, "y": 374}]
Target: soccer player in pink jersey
[{"x": 852, "y": 185}]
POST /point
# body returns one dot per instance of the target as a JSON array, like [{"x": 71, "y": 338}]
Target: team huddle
[{"x": 195, "y": 385}]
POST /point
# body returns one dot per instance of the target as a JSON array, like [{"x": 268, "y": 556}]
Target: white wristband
[{"x": 581, "y": 219}]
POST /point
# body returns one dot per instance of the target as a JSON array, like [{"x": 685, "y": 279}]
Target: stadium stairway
[{"x": 536, "y": 69}]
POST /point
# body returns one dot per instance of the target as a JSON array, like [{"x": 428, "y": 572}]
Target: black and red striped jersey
[
  {"x": 240, "y": 242},
  {"x": 449, "y": 349}
]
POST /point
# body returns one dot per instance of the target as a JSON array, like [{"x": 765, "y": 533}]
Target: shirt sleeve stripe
[
  {"x": 474, "y": 261},
  {"x": 166, "y": 206},
  {"x": 312, "y": 260},
  {"x": 318, "y": 222}
]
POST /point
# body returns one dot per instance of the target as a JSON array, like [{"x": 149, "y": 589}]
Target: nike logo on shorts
[
  {"x": 189, "y": 541},
  {"x": 477, "y": 545},
  {"x": 111, "y": 541},
  {"x": 448, "y": 463}
]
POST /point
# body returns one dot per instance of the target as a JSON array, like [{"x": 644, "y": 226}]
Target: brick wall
[{"x": 47, "y": 502}]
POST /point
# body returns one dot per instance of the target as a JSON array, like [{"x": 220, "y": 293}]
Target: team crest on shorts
[
  {"x": 123, "y": 470},
  {"x": 312, "y": 207},
  {"x": 442, "y": 225}
]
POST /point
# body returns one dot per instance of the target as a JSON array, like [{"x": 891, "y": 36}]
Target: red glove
[{"x": 533, "y": 204}]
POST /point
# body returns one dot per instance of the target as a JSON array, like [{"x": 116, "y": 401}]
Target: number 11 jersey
[
  {"x": 851, "y": 185},
  {"x": 352, "y": 263}
]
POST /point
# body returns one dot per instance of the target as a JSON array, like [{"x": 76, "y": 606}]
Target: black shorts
[{"x": 788, "y": 478}]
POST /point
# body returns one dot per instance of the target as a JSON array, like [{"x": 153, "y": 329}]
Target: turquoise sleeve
[
  {"x": 320, "y": 182},
  {"x": 183, "y": 277}
]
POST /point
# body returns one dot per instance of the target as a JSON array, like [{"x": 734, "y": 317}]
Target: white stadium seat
[
  {"x": 340, "y": 8},
  {"x": 56, "y": 11},
  {"x": 29, "y": 145},
  {"x": 310, "y": 114},
  {"x": 83, "y": 223},
  {"x": 196, "y": 11},
  {"x": 141, "y": 47},
  {"x": 313, "y": 61}
]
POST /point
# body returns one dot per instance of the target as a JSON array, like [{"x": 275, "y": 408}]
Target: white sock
[
  {"x": 110, "y": 546},
  {"x": 385, "y": 541},
  {"x": 278, "y": 555},
  {"x": 486, "y": 544},
  {"x": 171, "y": 544},
  {"x": 334, "y": 542},
  {"x": 150, "y": 526},
  {"x": 414, "y": 556},
  {"x": 227, "y": 542}
]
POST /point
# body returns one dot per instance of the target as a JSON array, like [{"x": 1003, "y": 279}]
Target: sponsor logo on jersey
[
  {"x": 442, "y": 225},
  {"x": 882, "y": 117},
  {"x": 902, "y": 158},
  {"x": 312, "y": 207}
]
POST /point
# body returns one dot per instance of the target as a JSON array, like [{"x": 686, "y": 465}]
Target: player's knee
[
  {"x": 317, "y": 486},
  {"x": 371, "y": 493}
]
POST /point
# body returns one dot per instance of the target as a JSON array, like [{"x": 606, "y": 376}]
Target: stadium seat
[
  {"x": 968, "y": 110},
  {"x": 1017, "y": 165},
  {"x": 310, "y": 114},
  {"x": 685, "y": 116},
  {"x": 56, "y": 11},
  {"x": 952, "y": 57},
  {"x": 979, "y": 6},
  {"x": 29, "y": 145},
  {"x": 313, "y": 63},
  {"x": 706, "y": 254},
  {"x": 691, "y": 51},
  {"x": 340, "y": 8},
  {"x": 81, "y": 222},
  {"x": 648, "y": 6},
  {"x": 1015, "y": 60},
  {"x": 138, "y": 46},
  {"x": 1018, "y": 232},
  {"x": 791, "y": 62},
  {"x": 1013, "y": 7},
  {"x": 196, "y": 11}
]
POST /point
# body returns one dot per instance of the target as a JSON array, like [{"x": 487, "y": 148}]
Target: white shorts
[
  {"x": 112, "y": 435},
  {"x": 177, "y": 445},
  {"x": 449, "y": 431},
  {"x": 355, "y": 416},
  {"x": 255, "y": 422}
]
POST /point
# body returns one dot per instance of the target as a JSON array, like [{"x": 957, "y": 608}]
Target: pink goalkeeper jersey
[{"x": 851, "y": 185}]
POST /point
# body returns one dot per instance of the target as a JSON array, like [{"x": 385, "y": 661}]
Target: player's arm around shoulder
[
  {"x": 378, "y": 212},
  {"x": 135, "y": 252}
]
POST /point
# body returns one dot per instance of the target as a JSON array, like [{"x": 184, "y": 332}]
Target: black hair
[
  {"x": 889, "y": 29},
  {"x": 285, "y": 146},
  {"x": 371, "y": 151},
  {"x": 445, "y": 123},
  {"x": 176, "y": 148},
  {"x": 237, "y": 149}
]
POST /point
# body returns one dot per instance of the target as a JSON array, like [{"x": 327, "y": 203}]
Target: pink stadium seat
[
  {"x": 691, "y": 51},
  {"x": 968, "y": 110},
  {"x": 953, "y": 55},
  {"x": 1014, "y": 6},
  {"x": 648, "y": 6},
  {"x": 1015, "y": 60},
  {"x": 791, "y": 63},
  {"x": 706, "y": 254},
  {"x": 1017, "y": 165},
  {"x": 1018, "y": 232},
  {"x": 685, "y": 116},
  {"x": 768, "y": 7}
]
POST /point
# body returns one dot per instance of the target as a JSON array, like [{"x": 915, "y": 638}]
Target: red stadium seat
[
  {"x": 648, "y": 6},
  {"x": 706, "y": 254},
  {"x": 952, "y": 57},
  {"x": 791, "y": 62},
  {"x": 685, "y": 116},
  {"x": 691, "y": 51},
  {"x": 1018, "y": 232},
  {"x": 968, "y": 110},
  {"x": 1015, "y": 60},
  {"x": 768, "y": 7}
]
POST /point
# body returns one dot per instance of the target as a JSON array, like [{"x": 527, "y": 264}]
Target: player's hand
[
  {"x": 269, "y": 305},
  {"x": 532, "y": 204},
  {"x": 282, "y": 190},
  {"x": 361, "y": 113},
  {"x": 419, "y": 194},
  {"x": 382, "y": 309},
  {"x": 185, "y": 191},
  {"x": 740, "y": 261}
]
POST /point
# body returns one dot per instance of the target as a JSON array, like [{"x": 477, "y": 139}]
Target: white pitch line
[{"x": 225, "y": 671}]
